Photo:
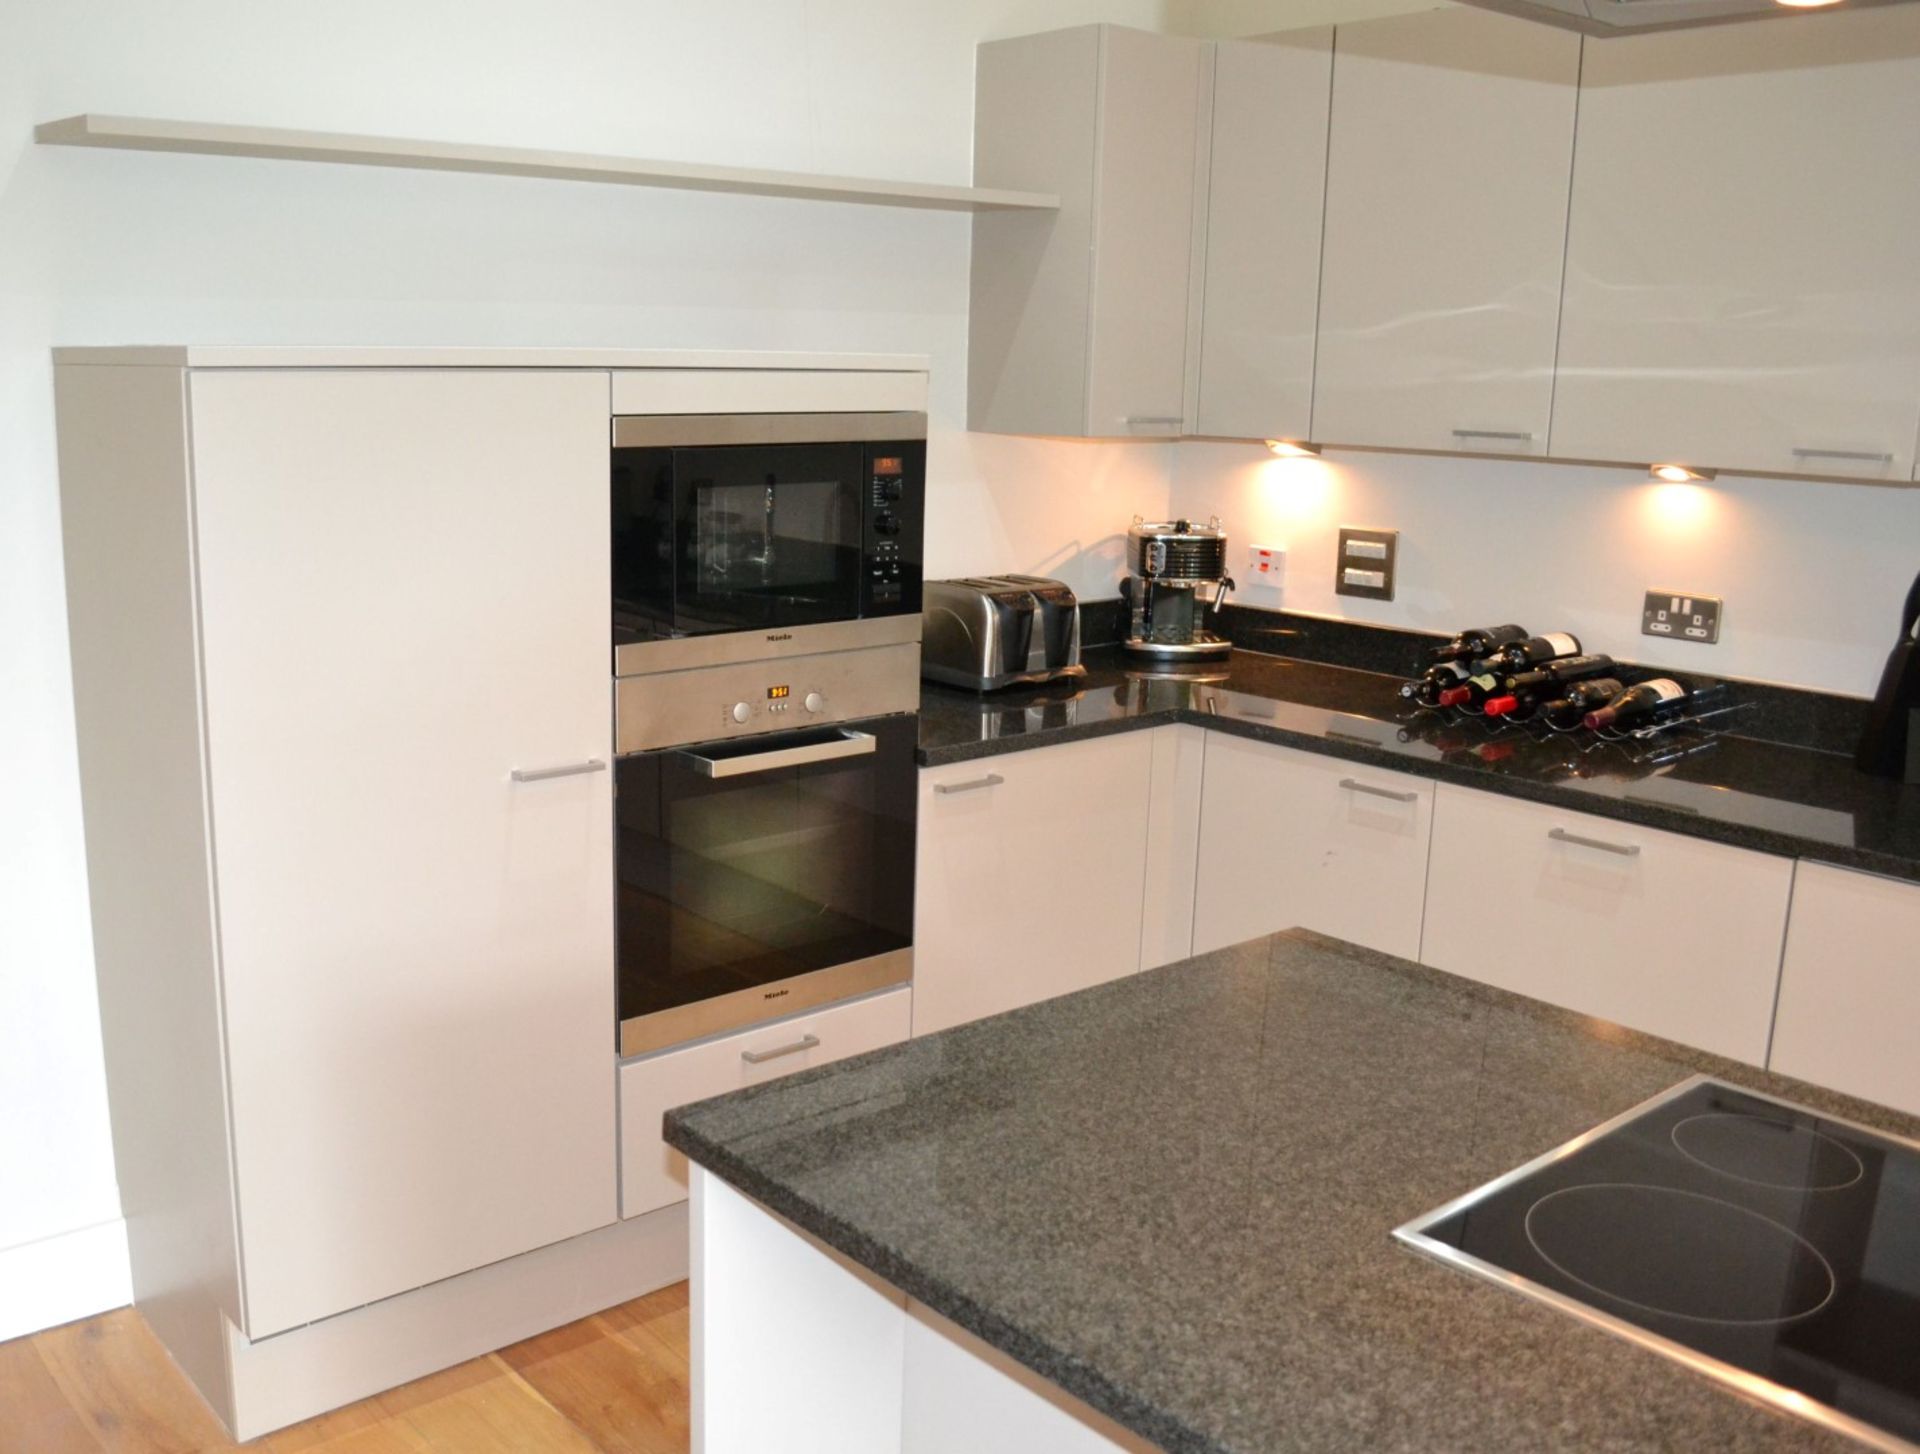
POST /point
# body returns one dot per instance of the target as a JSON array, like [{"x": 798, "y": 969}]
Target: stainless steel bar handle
[
  {"x": 1625, "y": 850},
  {"x": 847, "y": 744},
  {"x": 760, "y": 1057},
  {"x": 542, "y": 774},
  {"x": 1154, "y": 419},
  {"x": 1523, "y": 435},
  {"x": 1867, "y": 456},
  {"x": 1354, "y": 786},
  {"x": 991, "y": 780}
]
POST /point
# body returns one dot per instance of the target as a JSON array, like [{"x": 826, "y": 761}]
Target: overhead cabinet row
[{"x": 1461, "y": 231}]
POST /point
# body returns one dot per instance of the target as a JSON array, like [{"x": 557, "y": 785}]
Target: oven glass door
[{"x": 748, "y": 863}]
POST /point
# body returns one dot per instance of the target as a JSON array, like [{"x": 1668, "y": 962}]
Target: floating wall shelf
[{"x": 136, "y": 133}]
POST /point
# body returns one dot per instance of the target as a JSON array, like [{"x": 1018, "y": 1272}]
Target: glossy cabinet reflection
[
  {"x": 1742, "y": 288},
  {"x": 1446, "y": 209},
  {"x": 1252, "y": 344}
]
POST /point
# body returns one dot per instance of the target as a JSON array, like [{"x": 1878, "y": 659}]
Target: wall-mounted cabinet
[
  {"x": 1742, "y": 288},
  {"x": 1446, "y": 213},
  {"x": 1078, "y": 320},
  {"x": 1258, "y": 218}
]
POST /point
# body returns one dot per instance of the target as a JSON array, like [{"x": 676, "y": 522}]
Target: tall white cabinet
[
  {"x": 1446, "y": 208},
  {"x": 1741, "y": 285},
  {"x": 402, "y": 587}
]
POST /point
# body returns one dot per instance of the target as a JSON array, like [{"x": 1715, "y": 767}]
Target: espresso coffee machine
[{"x": 1178, "y": 583}]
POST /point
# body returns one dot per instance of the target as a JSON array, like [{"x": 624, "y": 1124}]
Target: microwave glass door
[{"x": 745, "y": 863}]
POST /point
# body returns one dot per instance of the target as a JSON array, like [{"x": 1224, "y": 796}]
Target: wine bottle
[
  {"x": 1660, "y": 698},
  {"x": 1473, "y": 693},
  {"x": 1475, "y": 642},
  {"x": 1518, "y": 656},
  {"x": 1520, "y": 703},
  {"x": 1565, "y": 669},
  {"x": 1427, "y": 687}
]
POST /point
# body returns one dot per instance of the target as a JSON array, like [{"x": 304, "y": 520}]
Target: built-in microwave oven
[{"x": 763, "y": 523}]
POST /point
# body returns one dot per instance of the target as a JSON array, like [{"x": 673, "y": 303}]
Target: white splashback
[{"x": 1813, "y": 574}]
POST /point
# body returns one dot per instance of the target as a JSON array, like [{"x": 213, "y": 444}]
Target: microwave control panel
[{"x": 894, "y": 486}]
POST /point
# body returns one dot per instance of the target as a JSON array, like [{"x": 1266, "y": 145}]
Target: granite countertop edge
[
  {"x": 1073, "y": 1374},
  {"x": 1648, "y": 815}
]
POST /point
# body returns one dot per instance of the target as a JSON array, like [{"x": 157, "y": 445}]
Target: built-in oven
[
  {"x": 767, "y": 687},
  {"x": 763, "y": 523}
]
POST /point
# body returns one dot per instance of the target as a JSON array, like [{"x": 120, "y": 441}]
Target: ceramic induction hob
[{"x": 1759, "y": 1242}]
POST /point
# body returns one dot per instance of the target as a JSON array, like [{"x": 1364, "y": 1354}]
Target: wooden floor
[{"x": 615, "y": 1383}]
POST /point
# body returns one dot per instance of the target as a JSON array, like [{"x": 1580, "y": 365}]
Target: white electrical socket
[{"x": 1266, "y": 563}]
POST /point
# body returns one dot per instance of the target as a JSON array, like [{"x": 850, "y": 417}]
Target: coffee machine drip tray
[{"x": 1203, "y": 646}]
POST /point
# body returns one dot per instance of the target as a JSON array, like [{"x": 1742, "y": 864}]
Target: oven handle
[{"x": 847, "y": 744}]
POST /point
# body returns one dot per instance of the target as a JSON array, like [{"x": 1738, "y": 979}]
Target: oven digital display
[{"x": 775, "y": 694}]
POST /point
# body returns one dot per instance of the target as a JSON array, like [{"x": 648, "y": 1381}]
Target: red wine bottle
[
  {"x": 1517, "y": 656},
  {"x": 1660, "y": 698},
  {"x": 1476, "y": 642},
  {"x": 1580, "y": 698},
  {"x": 1427, "y": 687},
  {"x": 1473, "y": 693},
  {"x": 1565, "y": 669}
]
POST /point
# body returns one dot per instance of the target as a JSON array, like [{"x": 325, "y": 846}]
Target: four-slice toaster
[{"x": 984, "y": 632}]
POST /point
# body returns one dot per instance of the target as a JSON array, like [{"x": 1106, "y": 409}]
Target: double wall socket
[
  {"x": 1683, "y": 617},
  {"x": 1365, "y": 564}
]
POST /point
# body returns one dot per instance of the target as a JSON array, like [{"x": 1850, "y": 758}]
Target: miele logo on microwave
[
  {"x": 775, "y": 994},
  {"x": 779, "y": 636}
]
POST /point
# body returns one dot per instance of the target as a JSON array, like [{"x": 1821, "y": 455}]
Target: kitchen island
[{"x": 1158, "y": 1214}]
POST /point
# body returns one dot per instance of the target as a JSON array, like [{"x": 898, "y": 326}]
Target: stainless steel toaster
[{"x": 995, "y": 631}]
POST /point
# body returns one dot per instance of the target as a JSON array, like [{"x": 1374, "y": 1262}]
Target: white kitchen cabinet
[
  {"x": 1740, "y": 280},
  {"x": 403, "y": 581},
  {"x": 1672, "y": 935},
  {"x": 1293, "y": 839},
  {"x": 1031, "y": 876},
  {"x": 1448, "y": 165},
  {"x": 1257, "y": 283},
  {"x": 652, "y": 1173},
  {"x": 1849, "y": 1012},
  {"x": 1078, "y": 319}
]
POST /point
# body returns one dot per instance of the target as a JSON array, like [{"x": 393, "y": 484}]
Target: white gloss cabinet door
[
  {"x": 1849, "y": 1013},
  {"x": 1296, "y": 840},
  {"x": 1741, "y": 285},
  {"x": 1658, "y": 932},
  {"x": 1259, "y": 285},
  {"x": 652, "y": 1173},
  {"x": 1031, "y": 874},
  {"x": 403, "y": 586},
  {"x": 1448, "y": 164}
]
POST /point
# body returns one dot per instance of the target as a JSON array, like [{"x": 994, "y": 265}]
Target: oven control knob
[
  {"x": 741, "y": 711},
  {"x": 815, "y": 702}
]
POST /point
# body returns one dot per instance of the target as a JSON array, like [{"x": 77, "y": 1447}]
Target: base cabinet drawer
[
  {"x": 1656, "y": 931},
  {"x": 1849, "y": 1014},
  {"x": 1293, "y": 839},
  {"x": 653, "y": 1174}
]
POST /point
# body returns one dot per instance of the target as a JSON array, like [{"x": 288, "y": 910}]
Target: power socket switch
[
  {"x": 1365, "y": 563},
  {"x": 1267, "y": 563},
  {"x": 1680, "y": 616}
]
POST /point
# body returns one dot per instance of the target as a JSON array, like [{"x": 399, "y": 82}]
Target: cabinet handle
[
  {"x": 1353, "y": 786},
  {"x": 1523, "y": 435},
  {"x": 1176, "y": 420},
  {"x": 1865, "y": 456},
  {"x": 542, "y": 774},
  {"x": 1625, "y": 850},
  {"x": 760, "y": 1057},
  {"x": 991, "y": 780}
]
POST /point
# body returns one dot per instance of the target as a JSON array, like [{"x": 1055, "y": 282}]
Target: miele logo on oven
[{"x": 775, "y": 994}]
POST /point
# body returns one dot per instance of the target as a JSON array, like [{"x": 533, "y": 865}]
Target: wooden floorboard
[{"x": 616, "y": 1383}]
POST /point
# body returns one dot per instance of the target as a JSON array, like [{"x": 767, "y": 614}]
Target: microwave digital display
[{"x": 889, "y": 464}]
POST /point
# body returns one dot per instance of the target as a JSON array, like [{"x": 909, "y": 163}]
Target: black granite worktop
[
  {"x": 1762, "y": 795},
  {"x": 1173, "y": 1196}
]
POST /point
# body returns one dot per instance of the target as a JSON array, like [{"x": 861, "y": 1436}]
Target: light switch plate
[
  {"x": 1681, "y": 617},
  {"x": 1365, "y": 564}
]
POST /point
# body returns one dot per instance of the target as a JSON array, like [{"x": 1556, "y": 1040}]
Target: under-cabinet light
[
  {"x": 1292, "y": 448},
  {"x": 1680, "y": 474}
]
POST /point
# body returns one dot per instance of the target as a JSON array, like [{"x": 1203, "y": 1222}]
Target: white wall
[
  {"x": 103, "y": 247},
  {"x": 1813, "y": 574}
]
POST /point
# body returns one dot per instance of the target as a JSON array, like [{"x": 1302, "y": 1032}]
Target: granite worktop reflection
[
  {"x": 1760, "y": 795},
  {"x": 1173, "y": 1195}
]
